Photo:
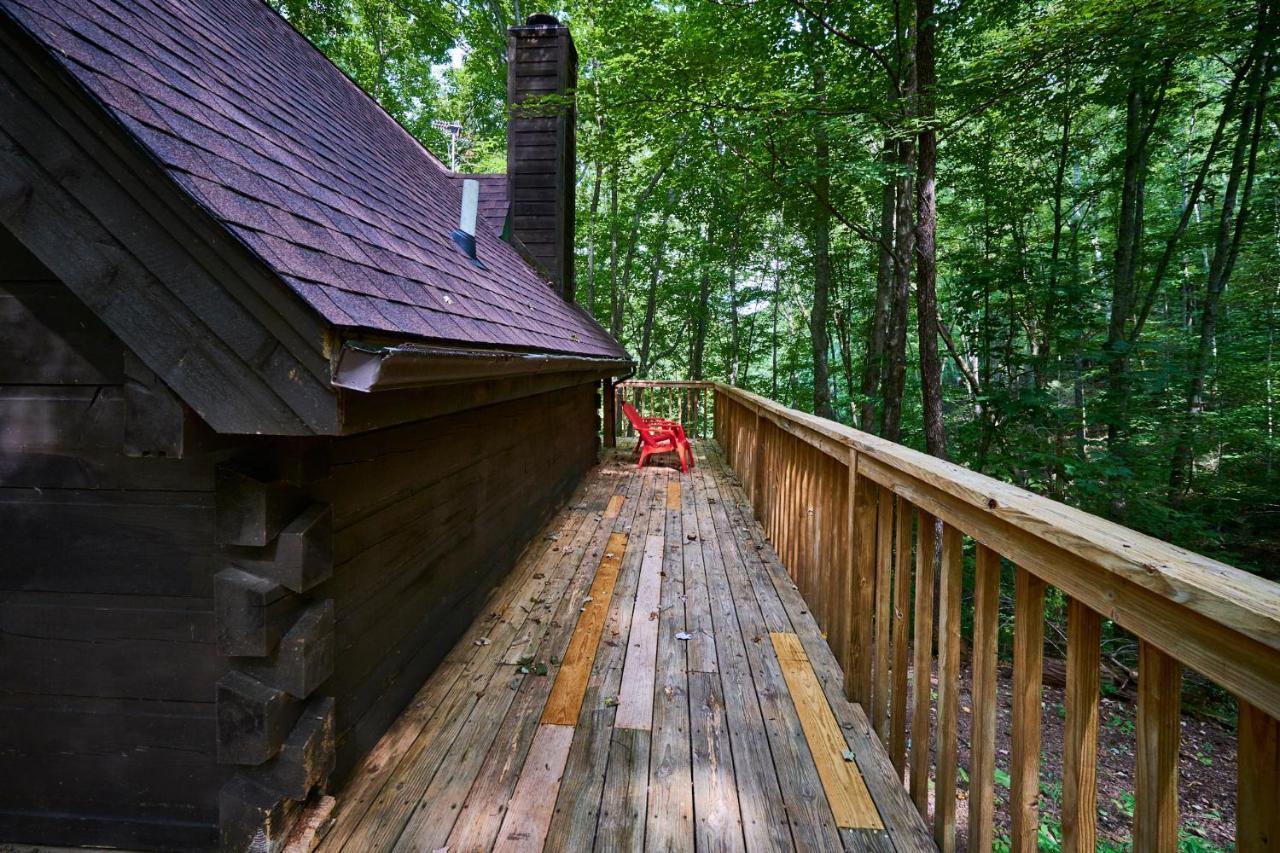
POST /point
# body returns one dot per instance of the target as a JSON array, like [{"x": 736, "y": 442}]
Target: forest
[{"x": 1038, "y": 239}]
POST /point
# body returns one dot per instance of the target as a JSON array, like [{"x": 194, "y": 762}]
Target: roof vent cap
[
  {"x": 465, "y": 236},
  {"x": 542, "y": 19}
]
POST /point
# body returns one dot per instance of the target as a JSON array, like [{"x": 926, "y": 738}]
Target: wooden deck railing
[
  {"x": 684, "y": 401},
  {"x": 859, "y": 522}
]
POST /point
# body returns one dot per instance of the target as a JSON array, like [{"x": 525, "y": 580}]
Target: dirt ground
[{"x": 1207, "y": 778}]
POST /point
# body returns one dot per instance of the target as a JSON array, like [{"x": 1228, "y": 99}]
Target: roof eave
[{"x": 369, "y": 368}]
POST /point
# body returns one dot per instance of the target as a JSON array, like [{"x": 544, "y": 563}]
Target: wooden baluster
[
  {"x": 757, "y": 475},
  {"x": 884, "y": 613},
  {"x": 1080, "y": 734},
  {"x": 813, "y": 542},
  {"x": 862, "y": 524},
  {"x": 1028, "y": 673},
  {"x": 922, "y": 661},
  {"x": 800, "y": 517},
  {"x": 789, "y": 512},
  {"x": 722, "y": 413},
  {"x": 901, "y": 626},
  {"x": 1258, "y": 780},
  {"x": 949, "y": 591},
  {"x": 777, "y": 485},
  {"x": 982, "y": 731},
  {"x": 810, "y": 542},
  {"x": 1155, "y": 817},
  {"x": 841, "y": 594},
  {"x": 793, "y": 506}
]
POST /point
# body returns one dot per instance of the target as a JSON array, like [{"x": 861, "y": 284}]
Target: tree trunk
[
  {"x": 821, "y": 245},
  {"x": 615, "y": 322},
  {"x": 700, "y": 319},
  {"x": 878, "y": 332},
  {"x": 733, "y": 308},
  {"x": 844, "y": 335},
  {"x": 1140, "y": 121},
  {"x": 935, "y": 433},
  {"x": 895, "y": 371},
  {"x": 651, "y": 302},
  {"x": 1232, "y": 220},
  {"x": 777, "y": 297},
  {"x": 615, "y": 301},
  {"x": 1044, "y": 346}
]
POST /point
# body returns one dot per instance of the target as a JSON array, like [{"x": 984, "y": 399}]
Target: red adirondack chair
[
  {"x": 659, "y": 436},
  {"x": 662, "y": 425}
]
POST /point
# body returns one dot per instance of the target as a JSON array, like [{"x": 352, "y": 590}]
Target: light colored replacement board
[
  {"x": 571, "y": 680},
  {"x": 851, "y": 803}
]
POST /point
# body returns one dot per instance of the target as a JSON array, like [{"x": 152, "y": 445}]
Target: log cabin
[{"x": 270, "y": 431}]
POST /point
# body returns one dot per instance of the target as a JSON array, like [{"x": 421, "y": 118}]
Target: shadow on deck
[{"x": 647, "y": 677}]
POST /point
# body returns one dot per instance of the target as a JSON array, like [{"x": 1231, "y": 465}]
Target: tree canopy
[{"x": 1037, "y": 238}]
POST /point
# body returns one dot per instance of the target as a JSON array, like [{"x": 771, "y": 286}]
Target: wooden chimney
[{"x": 542, "y": 74}]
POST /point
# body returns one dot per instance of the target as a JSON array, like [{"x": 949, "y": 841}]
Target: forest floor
[{"x": 1207, "y": 777}]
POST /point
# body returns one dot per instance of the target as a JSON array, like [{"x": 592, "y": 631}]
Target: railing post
[
  {"x": 883, "y": 614},
  {"x": 922, "y": 660},
  {"x": 1258, "y": 780},
  {"x": 1080, "y": 735},
  {"x": 607, "y": 408},
  {"x": 901, "y": 645},
  {"x": 1155, "y": 819},
  {"x": 982, "y": 731},
  {"x": 949, "y": 592},
  {"x": 1028, "y": 674}
]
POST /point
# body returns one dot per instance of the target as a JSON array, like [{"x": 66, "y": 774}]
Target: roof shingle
[{"x": 282, "y": 149}]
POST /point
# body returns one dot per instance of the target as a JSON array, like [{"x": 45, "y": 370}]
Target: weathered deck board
[
  {"x": 482, "y": 813},
  {"x": 578, "y": 808},
  {"x": 812, "y": 824},
  {"x": 676, "y": 725},
  {"x": 764, "y": 818},
  {"x": 669, "y": 825},
  {"x": 371, "y": 813},
  {"x": 905, "y": 830}
]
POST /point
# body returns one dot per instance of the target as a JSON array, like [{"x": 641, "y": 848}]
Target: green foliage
[{"x": 701, "y": 122}]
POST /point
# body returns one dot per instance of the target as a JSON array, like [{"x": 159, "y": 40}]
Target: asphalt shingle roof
[{"x": 290, "y": 156}]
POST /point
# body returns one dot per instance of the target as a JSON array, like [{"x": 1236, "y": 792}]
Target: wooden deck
[{"x": 648, "y": 677}]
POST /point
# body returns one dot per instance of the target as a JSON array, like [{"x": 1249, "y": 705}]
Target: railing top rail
[
  {"x": 1242, "y": 602},
  {"x": 665, "y": 383}
]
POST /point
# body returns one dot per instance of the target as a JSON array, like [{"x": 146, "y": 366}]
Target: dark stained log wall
[
  {"x": 427, "y": 518},
  {"x": 143, "y": 706},
  {"x": 107, "y": 651}
]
